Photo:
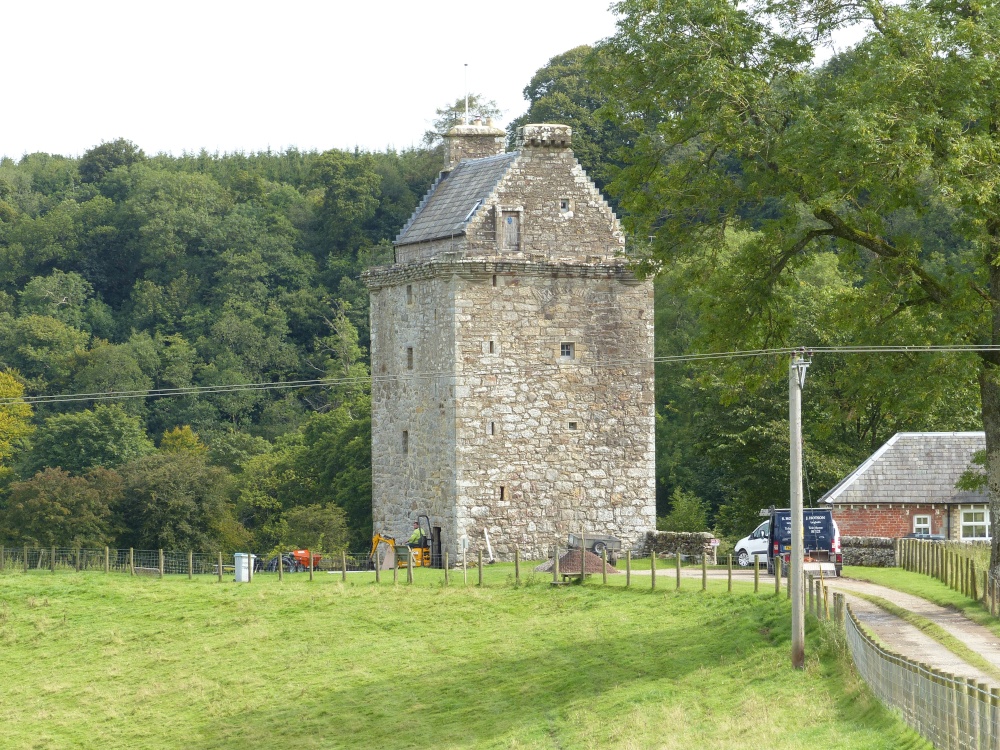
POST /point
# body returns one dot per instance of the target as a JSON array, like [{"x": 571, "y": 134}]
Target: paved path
[{"x": 895, "y": 633}]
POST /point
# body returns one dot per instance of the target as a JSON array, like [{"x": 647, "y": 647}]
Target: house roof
[
  {"x": 913, "y": 467},
  {"x": 454, "y": 199}
]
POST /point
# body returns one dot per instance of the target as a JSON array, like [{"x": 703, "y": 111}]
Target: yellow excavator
[{"x": 420, "y": 552}]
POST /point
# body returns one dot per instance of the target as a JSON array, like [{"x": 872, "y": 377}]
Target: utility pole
[{"x": 796, "y": 382}]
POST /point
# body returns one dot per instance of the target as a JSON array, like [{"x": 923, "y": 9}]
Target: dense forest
[{"x": 185, "y": 284}]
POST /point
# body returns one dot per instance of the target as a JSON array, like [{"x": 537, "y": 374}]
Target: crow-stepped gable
[{"x": 512, "y": 349}]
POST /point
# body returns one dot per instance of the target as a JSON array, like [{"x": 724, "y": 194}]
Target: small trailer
[{"x": 598, "y": 544}]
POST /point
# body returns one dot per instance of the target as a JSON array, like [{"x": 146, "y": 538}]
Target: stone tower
[{"x": 512, "y": 350}]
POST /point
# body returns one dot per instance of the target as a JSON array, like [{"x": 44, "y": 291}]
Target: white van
[{"x": 754, "y": 544}]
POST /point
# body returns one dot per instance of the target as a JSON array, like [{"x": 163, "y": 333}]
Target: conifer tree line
[{"x": 122, "y": 271}]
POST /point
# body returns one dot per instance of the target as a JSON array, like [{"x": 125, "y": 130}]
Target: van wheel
[{"x": 743, "y": 558}]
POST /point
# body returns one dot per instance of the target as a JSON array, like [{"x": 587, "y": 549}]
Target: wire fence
[{"x": 950, "y": 711}]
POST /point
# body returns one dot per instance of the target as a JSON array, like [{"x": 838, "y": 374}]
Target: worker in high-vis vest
[{"x": 414, "y": 540}]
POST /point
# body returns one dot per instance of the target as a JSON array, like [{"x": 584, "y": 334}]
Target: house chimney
[
  {"x": 472, "y": 142},
  {"x": 545, "y": 135}
]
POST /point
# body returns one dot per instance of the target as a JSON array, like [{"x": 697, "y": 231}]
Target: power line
[{"x": 207, "y": 390}]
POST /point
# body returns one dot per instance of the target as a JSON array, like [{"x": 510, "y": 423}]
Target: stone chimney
[
  {"x": 472, "y": 141},
  {"x": 545, "y": 135}
]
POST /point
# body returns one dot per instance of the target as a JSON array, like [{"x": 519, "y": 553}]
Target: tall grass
[{"x": 106, "y": 661}]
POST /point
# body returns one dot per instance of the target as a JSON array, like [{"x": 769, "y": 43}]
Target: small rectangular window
[
  {"x": 503, "y": 492},
  {"x": 572, "y": 425},
  {"x": 493, "y": 349},
  {"x": 494, "y": 279},
  {"x": 409, "y": 358},
  {"x": 565, "y": 205},
  {"x": 409, "y": 294},
  {"x": 406, "y": 441},
  {"x": 567, "y": 350},
  {"x": 493, "y": 428},
  {"x": 922, "y": 525}
]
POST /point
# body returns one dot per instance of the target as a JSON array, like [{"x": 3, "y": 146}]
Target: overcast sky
[{"x": 221, "y": 75}]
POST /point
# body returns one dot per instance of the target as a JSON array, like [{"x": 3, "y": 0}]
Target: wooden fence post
[
  {"x": 517, "y": 566},
  {"x": 583, "y": 558},
  {"x": 704, "y": 571},
  {"x": 312, "y": 563},
  {"x": 777, "y": 575},
  {"x": 378, "y": 568},
  {"x": 281, "y": 566},
  {"x": 77, "y": 563},
  {"x": 604, "y": 567},
  {"x": 555, "y": 566},
  {"x": 190, "y": 564},
  {"x": 756, "y": 574},
  {"x": 343, "y": 565},
  {"x": 131, "y": 561},
  {"x": 729, "y": 565},
  {"x": 480, "y": 568},
  {"x": 3, "y": 557},
  {"x": 220, "y": 565},
  {"x": 52, "y": 562},
  {"x": 628, "y": 568},
  {"x": 161, "y": 564},
  {"x": 652, "y": 570},
  {"x": 26, "y": 558},
  {"x": 809, "y": 593},
  {"x": 107, "y": 560},
  {"x": 249, "y": 567},
  {"x": 446, "y": 567}
]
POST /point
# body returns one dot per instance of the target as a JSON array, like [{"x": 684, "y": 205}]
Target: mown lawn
[{"x": 111, "y": 662}]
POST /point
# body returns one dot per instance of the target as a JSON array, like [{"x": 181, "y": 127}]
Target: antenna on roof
[{"x": 466, "y": 93}]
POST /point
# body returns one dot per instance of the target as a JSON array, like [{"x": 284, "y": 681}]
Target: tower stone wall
[{"x": 513, "y": 347}]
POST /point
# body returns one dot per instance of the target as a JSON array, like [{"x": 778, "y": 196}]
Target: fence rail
[{"x": 951, "y": 712}]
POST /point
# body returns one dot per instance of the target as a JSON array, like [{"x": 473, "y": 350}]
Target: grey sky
[{"x": 249, "y": 75}]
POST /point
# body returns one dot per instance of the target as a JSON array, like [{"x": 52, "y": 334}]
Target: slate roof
[
  {"x": 913, "y": 467},
  {"x": 453, "y": 200}
]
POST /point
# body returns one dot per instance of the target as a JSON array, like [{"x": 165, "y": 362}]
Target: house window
[
  {"x": 567, "y": 350},
  {"x": 565, "y": 205},
  {"x": 975, "y": 524},
  {"x": 921, "y": 524},
  {"x": 409, "y": 294},
  {"x": 406, "y": 441},
  {"x": 409, "y": 358}
]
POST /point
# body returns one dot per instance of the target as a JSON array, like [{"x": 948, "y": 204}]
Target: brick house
[
  {"x": 511, "y": 350},
  {"x": 908, "y": 485}
]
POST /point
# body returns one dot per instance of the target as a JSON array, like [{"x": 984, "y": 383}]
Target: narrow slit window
[
  {"x": 493, "y": 428},
  {"x": 567, "y": 350},
  {"x": 493, "y": 349},
  {"x": 409, "y": 294},
  {"x": 494, "y": 279},
  {"x": 503, "y": 493},
  {"x": 406, "y": 441},
  {"x": 409, "y": 358}
]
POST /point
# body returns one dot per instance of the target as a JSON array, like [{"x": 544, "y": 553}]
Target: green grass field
[{"x": 108, "y": 661}]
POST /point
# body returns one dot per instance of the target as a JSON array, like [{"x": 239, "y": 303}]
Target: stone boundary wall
[
  {"x": 871, "y": 551},
  {"x": 692, "y": 544}
]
